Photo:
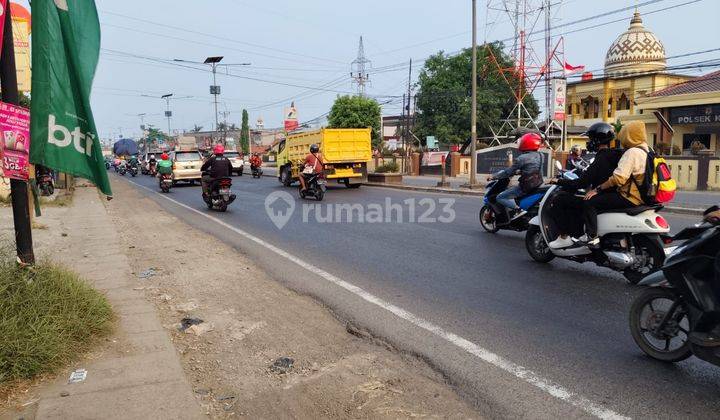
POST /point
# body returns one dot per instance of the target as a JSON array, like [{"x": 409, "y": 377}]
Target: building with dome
[{"x": 635, "y": 66}]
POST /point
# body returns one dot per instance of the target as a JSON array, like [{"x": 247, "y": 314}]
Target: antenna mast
[{"x": 358, "y": 72}]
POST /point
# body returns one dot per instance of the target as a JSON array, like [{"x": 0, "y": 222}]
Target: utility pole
[
  {"x": 408, "y": 141},
  {"x": 358, "y": 70},
  {"x": 473, "y": 117},
  {"x": 168, "y": 113},
  {"x": 18, "y": 188}
]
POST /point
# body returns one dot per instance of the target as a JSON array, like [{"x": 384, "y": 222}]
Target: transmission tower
[
  {"x": 358, "y": 71},
  {"x": 530, "y": 68}
]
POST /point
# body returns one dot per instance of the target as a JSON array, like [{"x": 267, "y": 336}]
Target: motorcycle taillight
[{"x": 225, "y": 183}]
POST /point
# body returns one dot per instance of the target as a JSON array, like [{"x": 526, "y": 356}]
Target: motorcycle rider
[
  {"x": 567, "y": 207},
  {"x": 152, "y": 162},
  {"x": 529, "y": 165},
  {"x": 313, "y": 164},
  {"x": 575, "y": 156},
  {"x": 164, "y": 167},
  {"x": 216, "y": 166},
  {"x": 621, "y": 189},
  {"x": 255, "y": 161}
]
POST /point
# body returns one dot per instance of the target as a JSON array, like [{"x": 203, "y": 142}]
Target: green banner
[{"x": 65, "y": 51}]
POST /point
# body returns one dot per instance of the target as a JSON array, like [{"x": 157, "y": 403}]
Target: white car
[{"x": 238, "y": 163}]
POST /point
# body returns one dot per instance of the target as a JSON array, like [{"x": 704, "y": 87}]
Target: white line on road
[{"x": 487, "y": 356}]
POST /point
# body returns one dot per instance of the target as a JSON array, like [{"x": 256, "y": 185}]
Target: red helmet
[
  {"x": 164, "y": 156},
  {"x": 219, "y": 149},
  {"x": 530, "y": 142}
]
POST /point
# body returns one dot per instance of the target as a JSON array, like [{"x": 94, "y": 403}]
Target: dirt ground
[{"x": 250, "y": 321}]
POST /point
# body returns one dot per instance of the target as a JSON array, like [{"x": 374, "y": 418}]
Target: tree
[
  {"x": 356, "y": 112},
  {"x": 444, "y": 94},
  {"x": 155, "y": 136},
  {"x": 245, "y": 132},
  {"x": 197, "y": 128}
]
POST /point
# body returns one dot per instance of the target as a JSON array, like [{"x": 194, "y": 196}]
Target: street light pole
[
  {"x": 215, "y": 93},
  {"x": 473, "y": 117},
  {"x": 168, "y": 113}
]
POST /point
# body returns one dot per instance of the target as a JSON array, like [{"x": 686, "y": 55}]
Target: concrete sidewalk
[{"x": 140, "y": 375}]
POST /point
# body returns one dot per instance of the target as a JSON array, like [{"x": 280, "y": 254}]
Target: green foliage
[
  {"x": 664, "y": 149},
  {"x": 356, "y": 112},
  {"x": 617, "y": 126},
  {"x": 155, "y": 135},
  {"x": 245, "y": 132},
  {"x": 25, "y": 99},
  {"x": 48, "y": 317},
  {"x": 197, "y": 128},
  {"x": 445, "y": 90},
  {"x": 388, "y": 167}
]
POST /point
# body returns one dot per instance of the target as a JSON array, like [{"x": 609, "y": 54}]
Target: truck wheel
[
  {"x": 285, "y": 176},
  {"x": 349, "y": 185}
]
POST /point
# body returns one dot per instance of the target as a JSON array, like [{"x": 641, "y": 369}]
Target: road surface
[{"x": 517, "y": 338}]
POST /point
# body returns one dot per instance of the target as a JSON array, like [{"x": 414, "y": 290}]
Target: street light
[
  {"x": 473, "y": 117},
  {"x": 214, "y": 89},
  {"x": 168, "y": 113}
]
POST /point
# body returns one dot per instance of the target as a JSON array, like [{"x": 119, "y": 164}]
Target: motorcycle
[
  {"x": 133, "y": 170},
  {"x": 678, "y": 314},
  {"x": 256, "y": 171},
  {"x": 494, "y": 216},
  {"x": 220, "y": 196},
  {"x": 630, "y": 239},
  {"x": 46, "y": 184},
  {"x": 122, "y": 169},
  {"x": 316, "y": 186},
  {"x": 165, "y": 182},
  {"x": 152, "y": 168}
]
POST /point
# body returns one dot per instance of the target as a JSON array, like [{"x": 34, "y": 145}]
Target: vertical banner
[
  {"x": 3, "y": 9},
  {"x": 67, "y": 36},
  {"x": 21, "y": 24},
  {"x": 291, "y": 119},
  {"x": 559, "y": 94},
  {"x": 15, "y": 147}
]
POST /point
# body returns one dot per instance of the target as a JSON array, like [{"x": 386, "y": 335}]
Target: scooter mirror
[{"x": 558, "y": 166}]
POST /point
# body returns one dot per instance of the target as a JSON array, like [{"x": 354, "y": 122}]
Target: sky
[{"x": 294, "y": 47}]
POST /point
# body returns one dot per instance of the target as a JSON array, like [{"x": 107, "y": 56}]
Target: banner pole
[{"x": 18, "y": 189}]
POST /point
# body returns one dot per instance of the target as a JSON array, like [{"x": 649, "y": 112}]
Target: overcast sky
[{"x": 295, "y": 45}]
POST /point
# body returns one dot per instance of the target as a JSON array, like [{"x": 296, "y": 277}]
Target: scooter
[
  {"x": 630, "y": 239},
  {"x": 494, "y": 216},
  {"x": 165, "y": 182},
  {"x": 256, "y": 171},
  {"x": 133, "y": 170},
  {"x": 122, "y": 169},
  {"x": 220, "y": 196},
  {"x": 678, "y": 314},
  {"x": 316, "y": 186},
  {"x": 152, "y": 169}
]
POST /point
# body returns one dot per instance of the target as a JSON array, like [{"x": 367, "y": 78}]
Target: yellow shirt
[{"x": 632, "y": 163}]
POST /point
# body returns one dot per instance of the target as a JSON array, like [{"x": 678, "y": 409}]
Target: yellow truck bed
[{"x": 337, "y": 145}]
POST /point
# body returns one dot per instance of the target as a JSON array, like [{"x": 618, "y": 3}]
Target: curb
[{"x": 670, "y": 209}]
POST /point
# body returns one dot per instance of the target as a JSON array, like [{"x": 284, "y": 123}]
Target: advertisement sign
[
  {"x": 431, "y": 142},
  {"x": 21, "y": 37},
  {"x": 3, "y": 9},
  {"x": 559, "y": 94},
  {"x": 291, "y": 120},
  {"x": 15, "y": 147},
  {"x": 433, "y": 158}
]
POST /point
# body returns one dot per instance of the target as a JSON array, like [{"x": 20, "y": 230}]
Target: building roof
[
  {"x": 707, "y": 83},
  {"x": 636, "y": 50}
]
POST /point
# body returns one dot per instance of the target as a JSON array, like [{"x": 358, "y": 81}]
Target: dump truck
[{"x": 345, "y": 153}]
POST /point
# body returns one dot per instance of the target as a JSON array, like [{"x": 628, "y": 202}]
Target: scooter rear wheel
[
  {"x": 647, "y": 312},
  {"x": 651, "y": 253},
  {"x": 488, "y": 219}
]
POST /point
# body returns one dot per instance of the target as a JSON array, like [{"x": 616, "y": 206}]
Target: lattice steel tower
[{"x": 358, "y": 71}]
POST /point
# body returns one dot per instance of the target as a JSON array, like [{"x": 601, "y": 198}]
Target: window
[
  {"x": 623, "y": 103},
  {"x": 609, "y": 107},
  {"x": 591, "y": 107}
]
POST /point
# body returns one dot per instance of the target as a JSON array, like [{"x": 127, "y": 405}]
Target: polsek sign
[{"x": 703, "y": 114}]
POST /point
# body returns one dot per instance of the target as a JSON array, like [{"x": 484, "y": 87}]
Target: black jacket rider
[
  {"x": 217, "y": 166},
  {"x": 606, "y": 160}
]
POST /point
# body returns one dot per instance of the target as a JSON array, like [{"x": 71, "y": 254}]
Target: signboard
[
  {"x": 21, "y": 38},
  {"x": 702, "y": 114},
  {"x": 559, "y": 95},
  {"x": 392, "y": 144},
  {"x": 291, "y": 119},
  {"x": 3, "y": 9},
  {"x": 15, "y": 147},
  {"x": 431, "y": 142},
  {"x": 433, "y": 158},
  {"x": 494, "y": 159}
]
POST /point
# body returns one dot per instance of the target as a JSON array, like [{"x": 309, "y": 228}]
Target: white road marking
[{"x": 487, "y": 356}]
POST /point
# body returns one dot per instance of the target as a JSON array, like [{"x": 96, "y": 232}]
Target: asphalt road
[{"x": 517, "y": 338}]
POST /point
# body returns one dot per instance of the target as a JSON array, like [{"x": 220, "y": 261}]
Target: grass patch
[
  {"x": 48, "y": 317},
  {"x": 64, "y": 199}
]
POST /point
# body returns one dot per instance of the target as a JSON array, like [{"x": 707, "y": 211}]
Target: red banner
[{"x": 3, "y": 9}]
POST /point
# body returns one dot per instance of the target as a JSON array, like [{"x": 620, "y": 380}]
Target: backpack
[{"x": 658, "y": 186}]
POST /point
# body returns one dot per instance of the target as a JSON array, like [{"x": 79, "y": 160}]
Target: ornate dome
[{"x": 634, "y": 51}]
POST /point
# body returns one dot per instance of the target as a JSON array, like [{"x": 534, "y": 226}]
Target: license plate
[{"x": 225, "y": 191}]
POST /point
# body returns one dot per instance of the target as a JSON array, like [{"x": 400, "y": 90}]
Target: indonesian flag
[{"x": 570, "y": 69}]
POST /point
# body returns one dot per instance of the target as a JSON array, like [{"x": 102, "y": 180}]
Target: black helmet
[
  {"x": 314, "y": 148},
  {"x": 599, "y": 133}
]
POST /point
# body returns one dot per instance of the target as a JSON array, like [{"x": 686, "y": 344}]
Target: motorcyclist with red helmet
[
  {"x": 215, "y": 167},
  {"x": 529, "y": 165}
]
